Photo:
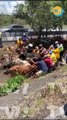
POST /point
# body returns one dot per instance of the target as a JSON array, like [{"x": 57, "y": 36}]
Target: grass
[
  {"x": 14, "y": 83},
  {"x": 30, "y": 111},
  {"x": 11, "y": 84},
  {"x": 63, "y": 68},
  {"x": 39, "y": 102}
]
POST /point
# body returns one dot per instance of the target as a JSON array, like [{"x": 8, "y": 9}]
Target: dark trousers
[
  {"x": 0, "y": 43},
  {"x": 61, "y": 55},
  {"x": 66, "y": 59}
]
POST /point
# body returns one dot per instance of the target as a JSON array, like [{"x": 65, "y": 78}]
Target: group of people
[
  {"x": 46, "y": 60},
  {"x": 35, "y": 60}
]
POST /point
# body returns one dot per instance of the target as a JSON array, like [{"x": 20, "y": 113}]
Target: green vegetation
[
  {"x": 38, "y": 14},
  {"x": 11, "y": 85},
  {"x": 6, "y": 20}
]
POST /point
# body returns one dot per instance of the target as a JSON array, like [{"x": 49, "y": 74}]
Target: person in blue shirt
[
  {"x": 24, "y": 37},
  {"x": 41, "y": 65}
]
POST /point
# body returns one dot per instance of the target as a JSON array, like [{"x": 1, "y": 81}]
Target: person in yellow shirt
[
  {"x": 52, "y": 56},
  {"x": 56, "y": 51},
  {"x": 19, "y": 43},
  {"x": 54, "y": 59},
  {"x": 10, "y": 51}
]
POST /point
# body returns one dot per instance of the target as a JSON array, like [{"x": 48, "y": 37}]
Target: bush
[{"x": 11, "y": 85}]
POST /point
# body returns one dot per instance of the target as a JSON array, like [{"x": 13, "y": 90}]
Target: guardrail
[{"x": 13, "y": 36}]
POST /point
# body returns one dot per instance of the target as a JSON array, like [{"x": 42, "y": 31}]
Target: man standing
[
  {"x": 0, "y": 39},
  {"x": 24, "y": 37}
]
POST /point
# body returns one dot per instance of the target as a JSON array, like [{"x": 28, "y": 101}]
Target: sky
[{"x": 7, "y": 7}]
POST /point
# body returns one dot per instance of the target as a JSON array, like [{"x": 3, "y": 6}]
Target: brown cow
[{"x": 23, "y": 69}]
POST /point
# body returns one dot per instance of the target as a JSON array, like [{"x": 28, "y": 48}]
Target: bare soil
[
  {"x": 3, "y": 77},
  {"x": 35, "y": 104}
]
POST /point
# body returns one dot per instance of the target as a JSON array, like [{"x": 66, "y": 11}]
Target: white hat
[
  {"x": 37, "y": 47},
  {"x": 56, "y": 42},
  {"x": 24, "y": 34},
  {"x": 30, "y": 45}
]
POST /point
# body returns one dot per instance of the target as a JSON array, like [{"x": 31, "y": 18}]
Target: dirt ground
[
  {"x": 34, "y": 104},
  {"x": 3, "y": 77},
  {"x": 8, "y": 43}
]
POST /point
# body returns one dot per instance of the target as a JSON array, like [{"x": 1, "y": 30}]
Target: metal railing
[{"x": 13, "y": 36}]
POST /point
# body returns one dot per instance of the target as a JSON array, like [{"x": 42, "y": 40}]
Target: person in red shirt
[{"x": 48, "y": 62}]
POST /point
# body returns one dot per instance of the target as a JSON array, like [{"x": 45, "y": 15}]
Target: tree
[
  {"x": 5, "y": 19},
  {"x": 64, "y": 4},
  {"x": 38, "y": 14}
]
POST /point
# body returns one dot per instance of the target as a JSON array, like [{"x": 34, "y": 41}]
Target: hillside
[{"x": 36, "y": 95}]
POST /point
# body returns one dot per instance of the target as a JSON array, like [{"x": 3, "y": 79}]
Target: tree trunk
[
  {"x": 46, "y": 32},
  {"x": 40, "y": 33}
]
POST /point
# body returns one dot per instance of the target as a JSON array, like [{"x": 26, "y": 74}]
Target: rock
[
  {"x": 25, "y": 88},
  {"x": 16, "y": 92},
  {"x": 25, "y": 112}
]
